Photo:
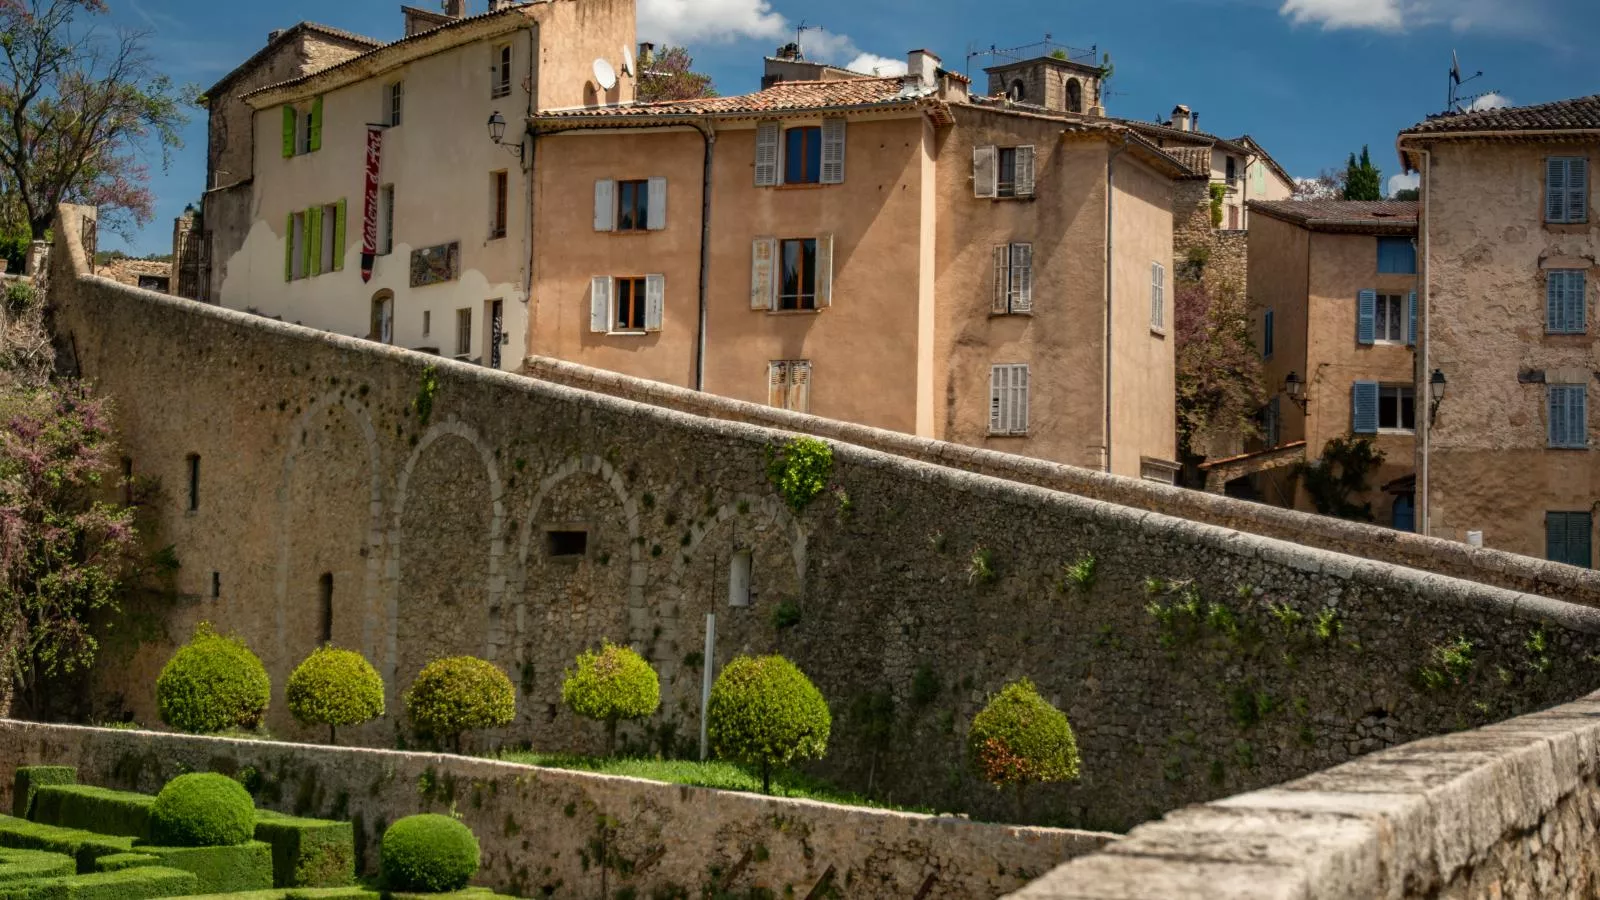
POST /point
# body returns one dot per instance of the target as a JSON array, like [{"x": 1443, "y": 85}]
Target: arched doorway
[{"x": 382, "y": 318}]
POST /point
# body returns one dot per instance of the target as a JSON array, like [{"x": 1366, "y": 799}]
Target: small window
[
  {"x": 498, "y": 203},
  {"x": 427, "y": 323},
  {"x": 567, "y": 544},
  {"x": 464, "y": 332},
  {"x": 216, "y": 585},
  {"x": 1390, "y": 319},
  {"x": 394, "y": 96},
  {"x": 1569, "y": 416},
  {"x": 797, "y": 287},
  {"x": 501, "y": 82},
  {"x": 739, "y": 579},
  {"x": 1013, "y": 279},
  {"x": 1008, "y": 400},
  {"x": 1566, "y": 301},
  {"x": 297, "y": 256},
  {"x": 630, "y": 305},
  {"x": 1397, "y": 409},
  {"x": 194, "y": 482},
  {"x": 1566, "y": 189},
  {"x": 1268, "y": 338},
  {"x": 633, "y": 205},
  {"x": 1007, "y": 184},
  {"x": 802, "y": 155},
  {"x": 1397, "y": 256},
  {"x": 329, "y": 237},
  {"x": 305, "y": 121},
  {"x": 1158, "y": 298},
  {"x": 1231, "y": 168},
  {"x": 789, "y": 385},
  {"x": 386, "y": 220},
  {"x": 325, "y": 592},
  {"x": 1569, "y": 538},
  {"x": 382, "y": 329}
]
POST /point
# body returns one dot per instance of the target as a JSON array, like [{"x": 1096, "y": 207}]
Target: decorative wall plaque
[{"x": 436, "y": 265}]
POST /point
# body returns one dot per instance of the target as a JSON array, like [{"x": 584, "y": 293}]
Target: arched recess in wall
[
  {"x": 1018, "y": 91},
  {"x": 446, "y": 545},
  {"x": 381, "y": 327},
  {"x": 329, "y": 533},
  {"x": 581, "y": 581},
  {"x": 753, "y": 544},
  {"x": 1074, "y": 95}
]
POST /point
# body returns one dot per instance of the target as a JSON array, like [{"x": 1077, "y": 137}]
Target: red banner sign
[{"x": 369, "y": 223}]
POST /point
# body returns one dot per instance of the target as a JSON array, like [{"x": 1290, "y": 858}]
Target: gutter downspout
[
  {"x": 709, "y": 134},
  {"x": 1425, "y": 508},
  {"x": 1111, "y": 211},
  {"x": 530, "y": 142}
]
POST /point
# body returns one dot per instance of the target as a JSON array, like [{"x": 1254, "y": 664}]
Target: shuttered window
[
  {"x": 1396, "y": 256},
  {"x": 789, "y": 385},
  {"x": 768, "y": 136},
  {"x": 1569, "y": 415},
  {"x": 499, "y": 203},
  {"x": 1003, "y": 171},
  {"x": 1158, "y": 297},
  {"x": 1568, "y": 538},
  {"x": 628, "y": 304},
  {"x": 1364, "y": 407},
  {"x": 633, "y": 205},
  {"x": 463, "y": 333},
  {"x": 1566, "y": 301},
  {"x": 802, "y": 155},
  {"x": 394, "y": 95},
  {"x": 1013, "y": 279},
  {"x": 833, "y": 131},
  {"x": 1566, "y": 190},
  {"x": 1008, "y": 400},
  {"x": 386, "y": 220}
]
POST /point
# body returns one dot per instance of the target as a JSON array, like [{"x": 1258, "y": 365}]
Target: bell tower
[{"x": 1058, "y": 83}]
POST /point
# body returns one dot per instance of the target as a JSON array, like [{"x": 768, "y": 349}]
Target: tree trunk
[
  {"x": 1022, "y": 803},
  {"x": 611, "y": 737},
  {"x": 10, "y": 645},
  {"x": 766, "y": 777},
  {"x": 333, "y": 735}
]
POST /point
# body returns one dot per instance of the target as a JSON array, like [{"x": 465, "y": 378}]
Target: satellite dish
[
  {"x": 627, "y": 61},
  {"x": 604, "y": 75}
]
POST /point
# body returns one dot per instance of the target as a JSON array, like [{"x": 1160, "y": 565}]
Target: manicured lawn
[{"x": 716, "y": 774}]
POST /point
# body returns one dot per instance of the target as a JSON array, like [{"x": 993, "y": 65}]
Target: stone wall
[
  {"x": 1194, "y": 661},
  {"x": 1510, "y": 810},
  {"x": 552, "y": 833},
  {"x": 1219, "y": 257}
]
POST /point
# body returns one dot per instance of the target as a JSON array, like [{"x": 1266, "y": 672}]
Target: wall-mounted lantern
[
  {"x": 497, "y": 133},
  {"x": 1296, "y": 389},
  {"x": 1436, "y": 388}
]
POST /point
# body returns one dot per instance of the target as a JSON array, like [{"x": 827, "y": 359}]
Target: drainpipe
[
  {"x": 709, "y": 134},
  {"x": 530, "y": 141},
  {"x": 1111, "y": 211},
  {"x": 1424, "y": 507}
]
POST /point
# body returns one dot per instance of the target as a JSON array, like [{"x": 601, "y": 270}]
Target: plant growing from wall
[
  {"x": 1218, "y": 193},
  {"x": 609, "y": 685},
  {"x": 800, "y": 471},
  {"x": 1341, "y": 473},
  {"x": 1079, "y": 576},
  {"x": 1538, "y": 648},
  {"x": 1448, "y": 664},
  {"x": 1019, "y": 739},
  {"x": 427, "y": 389},
  {"x": 459, "y": 694},
  {"x": 980, "y": 567},
  {"x": 786, "y": 614},
  {"x": 764, "y": 712},
  {"x": 213, "y": 683},
  {"x": 335, "y": 688}
]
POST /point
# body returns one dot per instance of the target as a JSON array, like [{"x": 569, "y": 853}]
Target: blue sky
[{"x": 1312, "y": 80}]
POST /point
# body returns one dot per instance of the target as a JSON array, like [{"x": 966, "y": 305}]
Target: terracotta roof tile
[
  {"x": 785, "y": 95},
  {"x": 1578, "y": 114},
  {"x": 1345, "y": 214}
]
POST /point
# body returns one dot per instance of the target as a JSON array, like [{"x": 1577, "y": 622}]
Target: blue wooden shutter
[
  {"x": 1364, "y": 407},
  {"x": 1568, "y": 538},
  {"x": 1555, "y": 302},
  {"x": 1411, "y": 330},
  {"x": 1569, "y": 415},
  {"x": 1555, "y": 190},
  {"x": 1367, "y": 317},
  {"x": 1578, "y": 189}
]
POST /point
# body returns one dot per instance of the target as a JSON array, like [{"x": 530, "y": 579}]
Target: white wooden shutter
[
  {"x": 1158, "y": 296},
  {"x": 1019, "y": 399},
  {"x": 657, "y": 213},
  {"x": 1025, "y": 171},
  {"x": 655, "y": 298},
  {"x": 1021, "y": 287},
  {"x": 605, "y": 205},
  {"x": 833, "y": 151},
  {"x": 800, "y": 386},
  {"x": 768, "y": 137},
  {"x": 777, "y": 383},
  {"x": 824, "y": 271},
  {"x": 763, "y": 257},
  {"x": 1002, "y": 280},
  {"x": 600, "y": 304},
  {"x": 984, "y": 172},
  {"x": 999, "y": 383}
]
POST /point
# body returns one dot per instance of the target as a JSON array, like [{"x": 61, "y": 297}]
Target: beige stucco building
[
  {"x": 450, "y": 205},
  {"x": 1509, "y": 242},
  {"x": 888, "y": 251},
  {"x": 1240, "y": 170},
  {"x": 1333, "y": 285}
]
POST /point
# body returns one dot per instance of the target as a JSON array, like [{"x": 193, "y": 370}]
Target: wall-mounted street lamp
[
  {"x": 1436, "y": 387},
  {"x": 1296, "y": 389},
  {"x": 497, "y": 133}
]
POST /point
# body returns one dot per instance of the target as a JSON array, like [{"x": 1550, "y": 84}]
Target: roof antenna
[
  {"x": 800, "y": 34},
  {"x": 1453, "y": 103}
]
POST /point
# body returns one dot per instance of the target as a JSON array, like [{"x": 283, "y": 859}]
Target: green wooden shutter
[
  {"x": 313, "y": 241},
  {"x": 316, "y": 125},
  {"x": 338, "y": 235},
  {"x": 288, "y": 249},
  {"x": 289, "y": 122}
]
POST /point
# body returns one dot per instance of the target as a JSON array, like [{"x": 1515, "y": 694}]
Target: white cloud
[
  {"x": 1492, "y": 100},
  {"x": 1521, "y": 17},
  {"x": 869, "y": 64},
  {"x": 689, "y": 21},
  {"x": 1382, "y": 14},
  {"x": 1399, "y": 183}
]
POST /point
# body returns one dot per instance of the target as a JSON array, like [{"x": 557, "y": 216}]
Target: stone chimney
[
  {"x": 455, "y": 9},
  {"x": 1194, "y": 121},
  {"x": 1180, "y": 118},
  {"x": 922, "y": 70}
]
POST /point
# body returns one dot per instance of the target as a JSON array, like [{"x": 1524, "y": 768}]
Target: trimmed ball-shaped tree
[
  {"x": 428, "y": 853},
  {"x": 765, "y": 712},
  {"x": 1020, "y": 739},
  {"x": 202, "y": 809},
  {"x": 609, "y": 685},
  {"x": 213, "y": 683},
  {"x": 335, "y": 688},
  {"x": 459, "y": 694}
]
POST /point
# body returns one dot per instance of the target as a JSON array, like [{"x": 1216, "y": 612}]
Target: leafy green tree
[
  {"x": 1219, "y": 370},
  {"x": 668, "y": 74},
  {"x": 765, "y": 712},
  {"x": 213, "y": 683},
  {"x": 1412, "y": 194},
  {"x": 609, "y": 685},
  {"x": 77, "y": 112},
  {"x": 460, "y": 694},
  {"x": 1362, "y": 180},
  {"x": 1019, "y": 739},
  {"x": 334, "y": 687}
]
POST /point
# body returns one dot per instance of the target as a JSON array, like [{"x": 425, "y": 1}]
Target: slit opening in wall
[
  {"x": 739, "y": 579},
  {"x": 566, "y": 543},
  {"x": 326, "y": 591},
  {"x": 216, "y": 585},
  {"x": 194, "y": 482}
]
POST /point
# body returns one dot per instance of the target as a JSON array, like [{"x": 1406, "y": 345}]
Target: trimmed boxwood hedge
[
  {"x": 22, "y": 865},
  {"x": 202, "y": 809},
  {"x": 213, "y": 683},
  {"x": 143, "y": 883},
  {"x": 429, "y": 853},
  {"x": 29, "y": 779},
  {"x": 96, "y": 809},
  {"x": 118, "y": 861},
  {"x": 220, "y": 870},
  {"x": 83, "y": 846},
  {"x": 308, "y": 852}
]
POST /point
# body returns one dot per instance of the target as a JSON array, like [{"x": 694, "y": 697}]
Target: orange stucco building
[{"x": 887, "y": 251}]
